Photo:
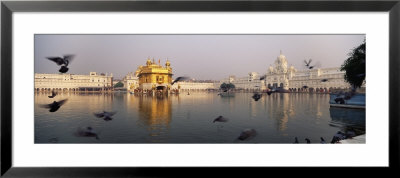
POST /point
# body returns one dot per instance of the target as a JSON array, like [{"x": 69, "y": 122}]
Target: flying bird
[
  {"x": 308, "y": 62},
  {"x": 256, "y": 96},
  {"x": 55, "y": 105},
  {"x": 86, "y": 132},
  {"x": 105, "y": 115},
  {"x": 179, "y": 79},
  {"x": 247, "y": 134},
  {"x": 323, "y": 140},
  {"x": 53, "y": 94},
  {"x": 63, "y": 69},
  {"x": 220, "y": 119},
  {"x": 63, "y": 62}
]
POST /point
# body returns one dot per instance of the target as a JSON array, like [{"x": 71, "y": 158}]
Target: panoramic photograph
[{"x": 205, "y": 88}]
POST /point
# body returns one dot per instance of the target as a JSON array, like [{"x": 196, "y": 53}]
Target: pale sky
[{"x": 201, "y": 57}]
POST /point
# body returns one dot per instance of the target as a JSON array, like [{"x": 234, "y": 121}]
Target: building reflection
[
  {"x": 279, "y": 108},
  {"x": 155, "y": 113}
]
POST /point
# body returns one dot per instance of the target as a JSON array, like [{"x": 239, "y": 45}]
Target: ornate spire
[{"x": 148, "y": 62}]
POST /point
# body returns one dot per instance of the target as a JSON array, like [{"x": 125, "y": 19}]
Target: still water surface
[{"x": 183, "y": 118}]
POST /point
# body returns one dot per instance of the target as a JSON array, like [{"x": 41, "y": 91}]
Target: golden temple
[{"x": 154, "y": 76}]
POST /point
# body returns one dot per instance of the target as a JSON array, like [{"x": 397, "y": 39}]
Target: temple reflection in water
[
  {"x": 183, "y": 118},
  {"x": 156, "y": 114}
]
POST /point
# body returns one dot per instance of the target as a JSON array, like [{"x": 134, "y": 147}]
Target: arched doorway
[{"x": 161, "y": 88}]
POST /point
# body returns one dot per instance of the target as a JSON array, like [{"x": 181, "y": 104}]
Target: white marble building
[
  {"x": 279, "y": 75},
  {"x": 131, "y": 81},
  {"x": 187, "y": 85},
  {"x": 73, "y": 82},
  {"x": 250, "y": 82},
  {"x": 289, "y": 78}
]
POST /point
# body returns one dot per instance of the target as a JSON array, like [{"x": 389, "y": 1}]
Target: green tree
[
  {"x": 119, "y": 84},
  {"x": 225, "y": 86},
  {"x": 354, "y": 66}
]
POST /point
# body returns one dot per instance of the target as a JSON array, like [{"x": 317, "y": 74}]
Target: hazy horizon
[{"x": 203, "y": 57}]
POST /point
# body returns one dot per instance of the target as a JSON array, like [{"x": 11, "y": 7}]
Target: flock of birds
[
  {"x": 55, "y": 105},
  {"x": 246, "y": 134},
  {"x": 250, "y": 133},
  {"x": 82, "y": 132},
  {"x": 336, "y": 138}
]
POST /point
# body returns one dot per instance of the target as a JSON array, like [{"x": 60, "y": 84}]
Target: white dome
[{"x": 281, "y": 64}]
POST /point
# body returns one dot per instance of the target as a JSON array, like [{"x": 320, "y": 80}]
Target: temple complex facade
[
  {"x": 319, "y": 80},
  {"x": 73, "y": 82},
  {"x": 280, "y": 75}
]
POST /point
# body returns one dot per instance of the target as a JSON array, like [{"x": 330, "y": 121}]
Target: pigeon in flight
[
  {"x": 308, "y": 63},
  {"x": 86, "y": 132},
  {"x": 309, "y": 66},
  {"x": 220, "y": 119},
  {"x": 323, "y": 140},
  {"x": 53, "y": 94},
  {"x": 63, "y": 62},
  {"x": 179, "y": 79},
  {"x": 105, "y": 115},
  {"x": 55, "y": 105},
  {"x": 247, "y": 134}
]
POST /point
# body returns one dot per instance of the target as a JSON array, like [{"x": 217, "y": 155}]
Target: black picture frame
[{"x": 8, "y": 7}]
